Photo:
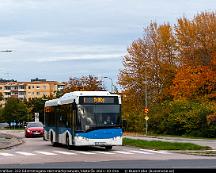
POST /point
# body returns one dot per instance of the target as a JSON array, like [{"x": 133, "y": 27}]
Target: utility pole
[
  {"x": 146, "y": 104},
  {"x": 111, "y": 82}
]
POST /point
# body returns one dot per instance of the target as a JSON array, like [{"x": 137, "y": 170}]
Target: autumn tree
[
  {"x": 150, "y": 62},
  {"x": 85, "y": 83},
  {"x": 196, "y": 40},
  {"x": 172, "y": 62}
]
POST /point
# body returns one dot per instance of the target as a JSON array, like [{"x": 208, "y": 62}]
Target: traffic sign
[
  {"x": 146, "y": 118},
  {"x": 146, "y": 110},
  {"x": 36, "y": 117}
]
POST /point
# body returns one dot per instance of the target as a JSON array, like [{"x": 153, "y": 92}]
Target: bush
[
  {"x": 183, "y": 117},
  {"x": 135, "y": 122}
]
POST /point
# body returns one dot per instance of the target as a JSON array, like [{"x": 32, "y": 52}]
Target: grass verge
[{"x": 160, "y": 145}]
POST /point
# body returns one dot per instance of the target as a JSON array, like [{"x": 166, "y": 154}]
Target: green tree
[
  {"x": 15, "y": 110},
  {"x": 36, "y": 105},
  {"x": 1, "y": 115}
]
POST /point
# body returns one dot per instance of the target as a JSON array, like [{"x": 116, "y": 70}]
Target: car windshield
[{"x": 34, "y": 125}]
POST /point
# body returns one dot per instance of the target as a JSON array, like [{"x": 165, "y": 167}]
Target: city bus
[{"x": 84, "y": 118}]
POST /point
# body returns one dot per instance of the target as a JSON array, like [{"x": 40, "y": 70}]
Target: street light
[
  {"x": 6, "y": 50},
  {"x": 111, "y": 82}
]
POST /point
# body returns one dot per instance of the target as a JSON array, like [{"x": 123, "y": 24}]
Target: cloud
[
  {"x": 40, "y": 52},
  {"x": 85, "y": 35},
  {"x": 81, "y": 57}
]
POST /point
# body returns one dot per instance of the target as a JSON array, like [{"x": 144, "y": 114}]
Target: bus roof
[{"x": 70, "y": 97}]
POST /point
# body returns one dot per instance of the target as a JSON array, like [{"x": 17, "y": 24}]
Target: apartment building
[{"x": 28, "y": 90}]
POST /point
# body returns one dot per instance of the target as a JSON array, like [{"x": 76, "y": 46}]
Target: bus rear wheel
[
  {"x": 108, "y": 147},
  {"x": 51, "y": 140},
  {"x": 68, "y": 142}
]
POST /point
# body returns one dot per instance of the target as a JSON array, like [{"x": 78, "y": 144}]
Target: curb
[{"x": 9, "y": 141}]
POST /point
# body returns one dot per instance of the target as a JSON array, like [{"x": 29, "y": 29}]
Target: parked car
[
  {"x": 34, "y": 129},
  {"x": 4, "y": 125}
]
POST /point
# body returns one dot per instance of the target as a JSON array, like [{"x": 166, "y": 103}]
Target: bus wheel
[
  {"x": 68, "y": 142},
  {"x": 108, "y": 147},
  {"x": 51, "y": 140}
]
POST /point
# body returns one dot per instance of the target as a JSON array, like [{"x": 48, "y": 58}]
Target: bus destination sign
[{"x": 98, "y": 100}]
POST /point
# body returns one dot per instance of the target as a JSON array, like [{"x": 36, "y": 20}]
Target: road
[{"x": 37, "y": 153}]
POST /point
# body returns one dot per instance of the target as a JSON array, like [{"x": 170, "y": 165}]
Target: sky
[{"x": 59, "y": 39}]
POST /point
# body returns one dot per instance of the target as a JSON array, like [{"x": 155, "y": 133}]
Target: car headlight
[{"x": 28, "y": 130}]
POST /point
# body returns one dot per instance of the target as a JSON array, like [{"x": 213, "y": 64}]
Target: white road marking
[
  {"x": 123, "y": 152},
  {"x": 140, "y": 152},
  {"x": 46, "y": 153},
  {"x": 56, "y": 152},
  {"x": 152, "y": 151},
  {"x": 103, "y": 152},
  {"x": 66, "y": 153},
  {"x": 6, "y": 154},
  {"x": 25, "y": 153},
  {"x": 82, "y": 152}
]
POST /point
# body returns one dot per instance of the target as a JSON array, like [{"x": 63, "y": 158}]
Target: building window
[
  {"x": 32, "y": 93},
  {"x": 38, "y": 93},
  {"x": 29, "y": 87},
  {"x": 38, "y": 87},
  {"x": 21, "y": 93},
  {"x": 21, "y": 87},
  {"x": 7, "y": 87}
]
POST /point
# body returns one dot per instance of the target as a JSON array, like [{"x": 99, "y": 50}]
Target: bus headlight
[
  {"x": 118, "y": 138},
  {"x": 81, "y": 140}
]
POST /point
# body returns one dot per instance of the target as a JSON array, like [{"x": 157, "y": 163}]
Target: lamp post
[
  {"x": 146, "y": 103},
  {"x": 105, "y": 77}
]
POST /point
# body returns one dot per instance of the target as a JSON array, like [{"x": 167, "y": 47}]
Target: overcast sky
[{"x": 58, "y": 39}]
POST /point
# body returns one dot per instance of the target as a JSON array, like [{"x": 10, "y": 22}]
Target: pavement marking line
[
  {"x": 140, "y": 152},
  {"x": 66, "y": 153},
  {"x": 103, "y": 152},
  {"x": 6, "y": 154},
  {"x": 123, "y": 152},
  {"x": 25, "y": 153},
  {"x": 83, "y": 152},
  {"x": 152, "y": 151},
  {"x": 46, "y": 153}
]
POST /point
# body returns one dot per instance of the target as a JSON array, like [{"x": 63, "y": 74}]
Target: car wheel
[
  {"x": 108, "y": 147},
  {"x": 26, "y": 135}
]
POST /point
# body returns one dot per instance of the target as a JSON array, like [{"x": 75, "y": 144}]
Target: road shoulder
[{"x": 8, "y": 141}]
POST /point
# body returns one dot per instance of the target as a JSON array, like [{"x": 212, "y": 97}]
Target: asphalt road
[{"x": 37, "y": 153}]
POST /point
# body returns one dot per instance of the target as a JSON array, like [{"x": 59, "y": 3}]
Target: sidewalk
[{"x": 7, "y": 141}]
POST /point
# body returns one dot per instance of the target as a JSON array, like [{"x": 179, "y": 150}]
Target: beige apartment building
[{"x": 29, "y": 90}]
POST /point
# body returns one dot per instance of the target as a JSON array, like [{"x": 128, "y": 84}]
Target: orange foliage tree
[
  {"x": 172, "y": 62},
  {"x": 85, "y": 83},
  {"x": 194, "y": 81}
]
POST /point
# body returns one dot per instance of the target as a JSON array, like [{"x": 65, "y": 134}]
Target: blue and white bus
[{"x": 84, "y": 118}]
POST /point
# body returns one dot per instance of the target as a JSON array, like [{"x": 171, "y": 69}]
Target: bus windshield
[{"x": 98, "y": 116}]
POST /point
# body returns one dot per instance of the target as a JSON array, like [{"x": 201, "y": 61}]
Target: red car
[{"x": 34, "y": 129}]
